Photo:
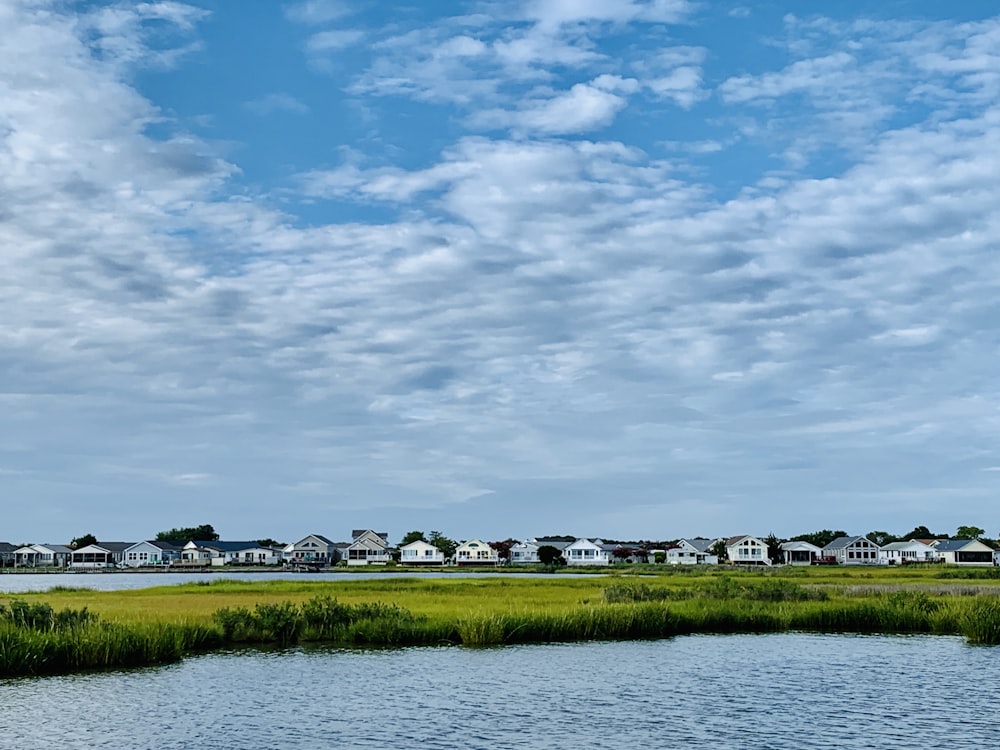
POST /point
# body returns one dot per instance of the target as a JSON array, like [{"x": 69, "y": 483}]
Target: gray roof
[
  {"x": 952, "y": 545},
  {"x": 230, "y": 546},
  {"x": 844, "y": 541},
  {"x": 702, "y": 545},
  {"x": 113, "y": 546},
  {"x": 7, "y": 547}
]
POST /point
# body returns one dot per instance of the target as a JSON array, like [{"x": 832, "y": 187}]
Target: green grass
[{"x": 97, "y": 630}]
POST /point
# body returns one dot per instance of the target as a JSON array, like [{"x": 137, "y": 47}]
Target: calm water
[
  {"x": 18, "y": 582},
  {"x": 762, "y": 691}
]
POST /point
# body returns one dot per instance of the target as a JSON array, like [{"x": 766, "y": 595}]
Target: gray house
[{"x": 853, "y": 550}]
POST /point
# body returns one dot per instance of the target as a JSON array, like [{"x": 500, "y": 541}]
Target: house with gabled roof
[
  {"x": 42, "y": 556},
  {"x": 475, "y": 552},
  {"x": 695, "y": 551},
  {"x": 587, "y": 552},
  {"x": 419, "y": 552},
  {"x": 963, "y": 552},
  {"x": 99, "y": 555},
  {"x": 906, "y": 552},
  {"x": 800, "y": 552},
  {"x": 218, "y": 553},
  {"x": 747, "y": 550},
  {"x": 315, "y": 550},
  {"x": 152, "y": 553},
  {"x": 853, "y": 550},
  {"x": 7, "y": 551},
  {"x": 368, "y": 547}
]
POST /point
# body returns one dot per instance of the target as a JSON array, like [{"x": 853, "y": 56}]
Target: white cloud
[
  {"x": 278, "y": 102},
  {"x": 536, "y": 318},
  {"x": 317, "y": 11},
  {"x": 585, "y": 107}
]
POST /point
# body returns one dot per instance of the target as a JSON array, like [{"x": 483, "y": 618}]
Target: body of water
[{"x": 732, "y": 692}]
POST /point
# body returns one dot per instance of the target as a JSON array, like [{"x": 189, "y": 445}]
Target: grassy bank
[{"x": 71, "y": 629}]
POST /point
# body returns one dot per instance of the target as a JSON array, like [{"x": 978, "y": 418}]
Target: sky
[{"x": 638, "y": 269}]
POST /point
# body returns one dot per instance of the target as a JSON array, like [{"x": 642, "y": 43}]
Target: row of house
[{"x": 369, "y": 547}]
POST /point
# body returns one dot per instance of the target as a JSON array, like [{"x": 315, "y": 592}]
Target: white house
[
  {"x": 42, "y": 556},
  {"x": 476, "y": 552},
  {"x": 692, "y": 552},
  {"x": 587, "y": 552},
  {"x": 963, "y": 552},
  {"x": 368, "y": 548},
  {"x": 747, "y": 550},
  {"x": 800, "y": 553},
  {"x": 911, "y": 551},
  {"x": 99, "y": 555},
  {"x": 524, "y": 553},
  {"x": 142, "y": 554},
  {"x": 420, "y": 552},
  {"x": 853, "y": 550},
  {"x": 314, "y": 549},
  {"x": 216, "y": 553}
]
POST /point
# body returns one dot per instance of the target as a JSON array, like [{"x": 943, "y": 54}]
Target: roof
[
  {"x": 702, "y": 545},
  {"x": 230, "y": 546},
  {"x": 952, "y": 545},
  {"x": 7, "y": 547},
  {"x": 358, "y": 532},
  {"x": 844, "y": 541},
  {"x": 798, "y": 545},
  {"x": 893, "y": 546}
]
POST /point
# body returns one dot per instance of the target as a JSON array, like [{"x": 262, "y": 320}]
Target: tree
[
  {"x": 719, "y": 550},
  {"x": 622, "y": 554},
  {"x": 882, "y": 538},
  {"x": 204, "y": 533},
  {"x": 443, "y": 543},
  {"x": 659, "y": 557},
  {"x": 969, "y": 532},
  {"x": 819, "y": 538},
  {"x": 922, "y": 532},
  {"x": 549, "y": 555},
  {"x": 268, "y": 542},
  {"x": 773, "y": 548},
  {"x": 412, "y": 536},
  {"x": 503, "y": 548},
  {"x": 83, "y": 541}
]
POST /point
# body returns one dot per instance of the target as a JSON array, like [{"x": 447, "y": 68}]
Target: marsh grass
[{"x": 157, "y": 625}]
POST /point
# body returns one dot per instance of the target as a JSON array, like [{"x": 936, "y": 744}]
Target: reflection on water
[{"x": 743, "y": 691}]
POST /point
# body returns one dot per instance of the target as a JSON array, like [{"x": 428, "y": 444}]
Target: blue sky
[{"x": 631, "y": 268}]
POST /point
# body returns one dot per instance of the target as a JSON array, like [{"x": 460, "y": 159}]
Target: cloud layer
[{"x": 568, "y": 278}]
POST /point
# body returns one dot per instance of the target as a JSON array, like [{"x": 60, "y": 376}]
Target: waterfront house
[
  {"x": 911, "y": 551},
  {"x": 368, "y": 548},
  {"x": 800, "y": 553},
  {"x": 476, "y": 552},
  {"x": 218, "y": 553},
  {"x": 524, "y": 553},
  {"x": 692, "y": 552},
  {"x": 747, "y": 550},
  {"x": 314, "y": 549},
  {"x": 42, "y": 556},
  {"x": 419, "y": 552},
  {"x": 99, "y": 555},
  {"x": 587, "y": 552},
  {"x": 152, "y": 553},
  {"x": 7, "y": 551},
  {"x": 853, "y": 550},
  {"x": 963, "y": 552}
]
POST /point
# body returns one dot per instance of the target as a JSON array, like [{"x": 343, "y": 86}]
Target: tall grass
[
  {"x": 161, "y": 625},
  {"x": 36, "y": 640}
]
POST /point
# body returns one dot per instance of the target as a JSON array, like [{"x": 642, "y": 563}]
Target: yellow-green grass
[{"x": 162, "y": 623}]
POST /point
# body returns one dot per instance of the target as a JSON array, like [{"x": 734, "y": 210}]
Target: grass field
[{"x": 162, "y": 624}]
